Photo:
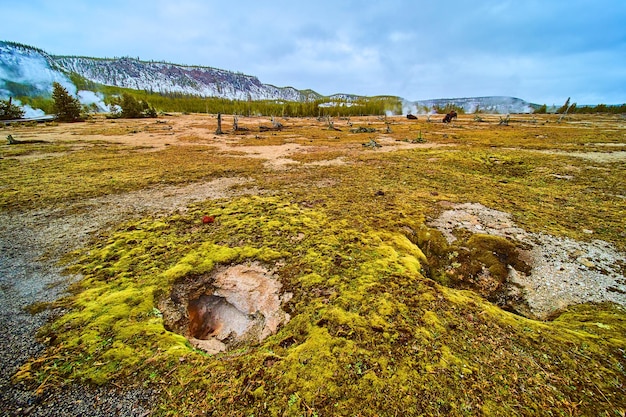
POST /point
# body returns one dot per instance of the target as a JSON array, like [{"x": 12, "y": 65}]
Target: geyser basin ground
[{"x": 369, "y": 329}]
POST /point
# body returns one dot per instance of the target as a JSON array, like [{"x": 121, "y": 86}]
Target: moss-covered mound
[{"x": 368, "y": 331}]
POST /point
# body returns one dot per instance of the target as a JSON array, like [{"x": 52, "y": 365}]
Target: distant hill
[
  {"x": 25, "y": 70},
  {"x": 172, "y": 78},
  {"x": 493, "y": 104},
  {"x": 29, "y": 71}
]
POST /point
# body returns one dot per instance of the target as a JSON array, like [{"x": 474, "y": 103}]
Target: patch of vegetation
[
  {"x": 33, "y": 149},
  {"x": 19, "y": 89},
  {"x": 476, "y": 262},
  {"x": 601, "y": 108},
  {"x": 131, "y": 108},
  {"x": 107, "y": 170},
  {"x": 45, "y": 103},
  {"x": 367, "y": 328},
  {"x": 448, "y": 108}
]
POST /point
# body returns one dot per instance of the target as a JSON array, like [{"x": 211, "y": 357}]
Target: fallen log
[
  {"x": 13, "y": 141},
  {"x": 372, "y": 144},
  {"x": 270, "y": 129},
  {"x": 362, "y": 129}
]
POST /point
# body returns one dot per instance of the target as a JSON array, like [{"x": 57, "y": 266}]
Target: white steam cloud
[{"x": 94, "y": 101}]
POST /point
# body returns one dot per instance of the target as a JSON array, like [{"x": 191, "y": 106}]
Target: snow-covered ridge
[
  {"x": 28, "y": 71},
  {"x": 172, "y": 78},
  {"x": 493, "y": 104}
]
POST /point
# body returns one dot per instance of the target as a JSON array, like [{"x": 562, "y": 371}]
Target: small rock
[
  {"x": 211, "y": 346},
  {"x": 586, "y": 262}
]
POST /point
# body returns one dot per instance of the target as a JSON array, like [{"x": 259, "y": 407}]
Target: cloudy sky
[{"x": 542, "y": 51}]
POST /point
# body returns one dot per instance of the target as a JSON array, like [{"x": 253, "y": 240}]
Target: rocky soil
[{"x": 563, "y": 271}]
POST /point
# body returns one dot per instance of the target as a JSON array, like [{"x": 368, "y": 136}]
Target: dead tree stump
[{"x": 219, "y": 125}]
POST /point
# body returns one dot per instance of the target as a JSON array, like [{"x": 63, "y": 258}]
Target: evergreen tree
[
  {"x": 9, "y": 111},
  {"x": 134, "y": 109},
  {"x": 66, "y": 107},
  {"x": 131, "y": 108}
]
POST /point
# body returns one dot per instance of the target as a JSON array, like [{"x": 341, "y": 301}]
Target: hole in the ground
[
  {"x": 213, "y": 316},
  {"x": 235, "y": 305}
]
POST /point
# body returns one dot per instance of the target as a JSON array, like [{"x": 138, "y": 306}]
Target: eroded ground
[{"x": 373, "y": 249}]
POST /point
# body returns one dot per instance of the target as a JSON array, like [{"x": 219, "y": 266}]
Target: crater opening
[
  {"x": 213, "y": 316},
  {"x": 234, "y": 305}
]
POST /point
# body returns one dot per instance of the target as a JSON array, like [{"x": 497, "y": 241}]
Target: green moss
[
  {"x": 432, "y": 322},
  {"x": 496, "y": 253},
  {"x": 478, "y": 262}
]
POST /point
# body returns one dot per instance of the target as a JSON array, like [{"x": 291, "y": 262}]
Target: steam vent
[{"x": 236, "y": 305}]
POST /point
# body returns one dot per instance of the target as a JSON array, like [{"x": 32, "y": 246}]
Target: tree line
[
  {"x": 573, "y": 108},
  {"x": 128, "y": 103}
]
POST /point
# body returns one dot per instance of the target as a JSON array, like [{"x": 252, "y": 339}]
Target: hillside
[
  {"x": 28, "y": 71},
  {"x": 170, "y": 78}
]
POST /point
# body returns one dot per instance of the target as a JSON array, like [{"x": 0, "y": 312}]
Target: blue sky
[{"x": 542, "y": 51}]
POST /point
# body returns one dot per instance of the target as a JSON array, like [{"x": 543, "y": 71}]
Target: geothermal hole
[
  {"x": 237, "y": 304},
  {"x": 213, "y": 316}
]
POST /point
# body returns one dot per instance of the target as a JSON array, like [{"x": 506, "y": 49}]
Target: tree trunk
[{"x": 219, "y": 124}]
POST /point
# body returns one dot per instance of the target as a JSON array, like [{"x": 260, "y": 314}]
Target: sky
[{"x": 541, "y": 51}]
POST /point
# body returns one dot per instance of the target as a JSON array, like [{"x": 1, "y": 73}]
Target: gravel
[{"x": 25, "y": 279}]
